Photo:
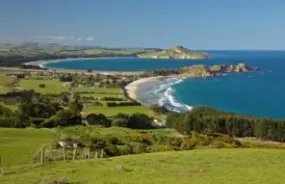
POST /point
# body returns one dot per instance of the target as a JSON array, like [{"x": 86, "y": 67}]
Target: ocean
[{"x": 259, "y": 93}]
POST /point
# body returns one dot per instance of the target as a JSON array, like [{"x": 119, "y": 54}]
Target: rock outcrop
[{"x": 214, "y": 70}]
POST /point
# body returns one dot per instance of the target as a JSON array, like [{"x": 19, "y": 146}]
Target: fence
[{"x": 49, "y": 154}]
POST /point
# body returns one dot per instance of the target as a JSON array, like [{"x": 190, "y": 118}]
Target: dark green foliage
[
  {"x": 63, "y": 118},
  {"x": 111, "y": 150},
  {"x": 5, "y": 112},
  {"x": 159, "y": 109},
  {"x": 98, "y": 119},
  {"x": 112, "y": 99},
  {"x": 139, "y": 148},
  {"x": 120, "y": 122},
  {"x": 140, "y": 121},
  {"x": 122, "y": 104},
  {"x": 207, "y": 121},
  {"x": 42, "y": 85}
]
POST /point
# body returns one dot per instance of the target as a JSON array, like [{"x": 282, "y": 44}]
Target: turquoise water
[{"x": 260, "y": 94}]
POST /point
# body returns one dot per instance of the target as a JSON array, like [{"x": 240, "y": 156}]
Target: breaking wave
[{"x": 165, "y": 95}]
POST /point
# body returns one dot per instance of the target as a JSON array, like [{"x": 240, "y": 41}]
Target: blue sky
[{"x": 198, "y": 24}]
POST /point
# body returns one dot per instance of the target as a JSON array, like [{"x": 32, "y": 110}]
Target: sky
[{"x": 197, "y": 24}]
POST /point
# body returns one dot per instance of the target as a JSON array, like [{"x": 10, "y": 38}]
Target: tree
[
  {"x": 98, "y": 119},
  {"x": 140, "y": 121},
  {"x": 65, "y": 117},
  {"x": 42, "y": 85}
]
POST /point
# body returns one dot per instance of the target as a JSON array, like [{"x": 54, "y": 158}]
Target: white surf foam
[{"x": 166, "y": 95}]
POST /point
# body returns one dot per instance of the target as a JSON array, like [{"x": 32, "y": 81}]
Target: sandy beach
[
  {"x": 132, "y": 89},
  {"x": 42, "y": 63}
]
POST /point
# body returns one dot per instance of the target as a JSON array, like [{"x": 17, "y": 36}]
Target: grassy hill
[
  {"x": 18, "y": 145},
  {"x": 239, "y": 166},
  {"x": 177, "y": 52}
]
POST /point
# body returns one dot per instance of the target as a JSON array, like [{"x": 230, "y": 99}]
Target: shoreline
[
  {"x": 133, "y": 89},
  {"x": 42, "y": 63}
]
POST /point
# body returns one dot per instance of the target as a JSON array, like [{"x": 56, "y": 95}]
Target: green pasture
[
  {"x": 202, "y": 166},
  {"x": 17, "y": 146}
]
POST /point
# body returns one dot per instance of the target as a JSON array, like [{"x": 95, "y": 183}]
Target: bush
[
  {"x": 125, "y": 149},
  {"x": 140, "y": 121},
  {"x": 98, "y": 119},
  {"x": 112, "y": 99},
  {"x": 111, "y": 150},
  {"x": 217, "y": 144},
  {"x": 8, "y": 122},
  {"x": 120, "y": 122},
  {"x": 122, "y": 104},
  {"x": 139, "y": 148},
  {"x": 63, "y": 118},
  {"x": 42, "y": 85}
]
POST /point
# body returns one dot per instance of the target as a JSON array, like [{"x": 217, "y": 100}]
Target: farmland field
[
  {"x": 3, "y": 88},
  {"x": 17, "y": 146},
  {"x": 51, "y": 86},
  {"x": 203, "y": 166},
  {"x": 110, "y": 111}
]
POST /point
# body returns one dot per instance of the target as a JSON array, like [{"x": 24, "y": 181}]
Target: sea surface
[{"x": 256, "y": 93}]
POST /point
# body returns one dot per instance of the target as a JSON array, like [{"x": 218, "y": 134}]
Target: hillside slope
[
  {"x": 177, "y": 52},
  {"x": 202, "y": 166}
]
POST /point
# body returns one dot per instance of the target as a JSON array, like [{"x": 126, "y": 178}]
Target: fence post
[
  {"x": 64, "y": 155},
  {"x": 42, "y": 155},
  {"x": 96, "y": 154},
  {"x": 74, "y": 153}
]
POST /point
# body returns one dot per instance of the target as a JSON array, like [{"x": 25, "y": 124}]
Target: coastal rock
[{"x": 214, "y": 70}]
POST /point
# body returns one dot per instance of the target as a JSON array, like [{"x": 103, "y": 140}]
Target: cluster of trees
[
  {"x": 112, "y": 99},
  {"x": 160, "y": 72},
  {"x": 134, "y": 121},
  {"x": 207, "y": 120},
  {"x": 23, "y": 66},
  {"x": 122, "y": 104}
]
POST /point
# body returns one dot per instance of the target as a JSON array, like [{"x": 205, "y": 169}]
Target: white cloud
[
  {"x": 90, "y": 39},
  {"x": 65, "y": 38}
]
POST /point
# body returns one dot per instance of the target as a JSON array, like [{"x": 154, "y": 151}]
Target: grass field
[
  {"x": 101, "y": 92},
  {"x": 204, "y": 166},
  {"x": 52, "y": 86},
  {"x": 110, "y": 111},
  {"x": 17, "y": 146},
  {"x": 3, "y": 88}
]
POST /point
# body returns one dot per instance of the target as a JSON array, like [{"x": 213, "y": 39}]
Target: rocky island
[
  {"x": 202, "y": 70},
  {"x": 177, "y": 52}
]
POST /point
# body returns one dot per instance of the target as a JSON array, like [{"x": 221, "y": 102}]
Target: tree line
[{"x": 207, "y": 120}]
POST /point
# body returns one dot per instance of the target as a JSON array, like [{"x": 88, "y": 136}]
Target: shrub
[
  {"x": 140, "y": 121},
  {"x": 120, "y": 122},
  {"x": 98, "y": 119},
  {"x": 8, "y": 122},
  {"x": 63, "y": 118},
  {"x": 139, "y": 148},
  {"x": 111, "y": 150},
  {"x": 217, "y": 144},
  {"x": 42, "y": 85},
  {"x": 125, "y": 149}
]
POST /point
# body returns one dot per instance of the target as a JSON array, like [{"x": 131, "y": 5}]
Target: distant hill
[{"x": 177, "y": 52}]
